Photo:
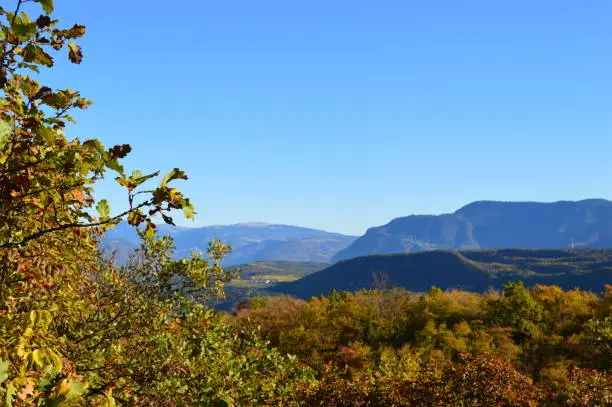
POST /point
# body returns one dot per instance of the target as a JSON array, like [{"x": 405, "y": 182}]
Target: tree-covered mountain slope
[{"x": 589, "y": 269}]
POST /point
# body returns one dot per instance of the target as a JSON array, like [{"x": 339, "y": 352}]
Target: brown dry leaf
[{"x": 26, "y": 391}]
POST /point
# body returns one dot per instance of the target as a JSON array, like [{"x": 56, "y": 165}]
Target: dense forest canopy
[
  {"x": 76, "y": 330},
  {"x": 520, "y": 347}
]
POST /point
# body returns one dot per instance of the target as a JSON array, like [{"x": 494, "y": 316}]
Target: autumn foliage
[
  {"x": 78, "y": 330},
  {"x": 521, "y": 347}
]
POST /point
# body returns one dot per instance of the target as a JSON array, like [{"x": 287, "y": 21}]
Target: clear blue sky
[{"x": 344, "y": 114}]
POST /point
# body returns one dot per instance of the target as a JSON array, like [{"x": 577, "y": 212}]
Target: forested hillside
[
  {"x": 517, "y": 347},
  {"x": 477, "y": 271}
]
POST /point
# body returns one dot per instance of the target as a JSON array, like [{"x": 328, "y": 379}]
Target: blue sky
[{"x": 342, "y": 115}]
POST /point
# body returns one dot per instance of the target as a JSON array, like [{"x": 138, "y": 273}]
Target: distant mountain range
[
  {"x": 479, "y": 225},
  {"x": 489, "y": 224},
  {"x": 484, "y": 244},
  {"x": 251, "y": 242},
  {"x": 588, "y": 269}
]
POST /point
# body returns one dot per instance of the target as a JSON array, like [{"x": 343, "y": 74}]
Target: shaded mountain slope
[{"x": 470, "y": 270}]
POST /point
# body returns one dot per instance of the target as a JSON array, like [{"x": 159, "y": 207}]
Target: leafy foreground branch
[
  {"x": 135, "y": 336},
  {"x": 74, "y": 329}
]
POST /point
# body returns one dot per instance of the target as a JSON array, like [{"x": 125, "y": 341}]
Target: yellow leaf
[{"x": 38, "y": 357}]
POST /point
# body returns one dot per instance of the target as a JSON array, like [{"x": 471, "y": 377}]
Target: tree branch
[{"x": 15, "y": 245}]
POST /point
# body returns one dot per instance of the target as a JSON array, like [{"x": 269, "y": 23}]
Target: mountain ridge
[
  {"x": 479, "y": 270},
  {"x": 251, "y": 241},
  {"x": 492, "y": 224}
]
